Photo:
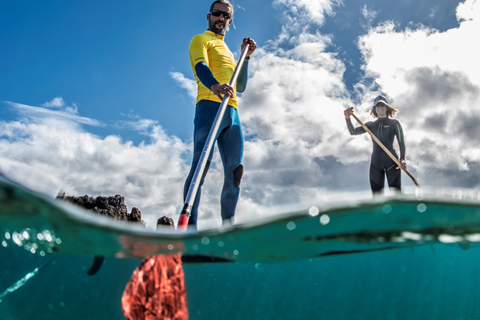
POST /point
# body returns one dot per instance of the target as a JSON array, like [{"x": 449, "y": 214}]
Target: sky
[{"x": 98, "y": 98}]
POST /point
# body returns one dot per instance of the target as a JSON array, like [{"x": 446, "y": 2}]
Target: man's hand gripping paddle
[
  {"x": 386, "y": 150},
  {"x": 192, "y": 190}
]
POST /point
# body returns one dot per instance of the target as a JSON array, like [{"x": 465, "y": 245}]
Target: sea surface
[
  {"x": 425, "y": 262},
  {"x": 439, "y": 281}
]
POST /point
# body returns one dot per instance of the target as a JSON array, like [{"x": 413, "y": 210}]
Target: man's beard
[{"x": 211, "y": 26}]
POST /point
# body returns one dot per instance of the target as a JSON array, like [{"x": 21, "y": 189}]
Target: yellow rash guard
[{"x": 211, "y": 48}]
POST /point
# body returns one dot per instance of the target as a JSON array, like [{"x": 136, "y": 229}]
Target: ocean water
[
  {"x": 433, "y": 273},
  {"x": 438, "y": 281}
]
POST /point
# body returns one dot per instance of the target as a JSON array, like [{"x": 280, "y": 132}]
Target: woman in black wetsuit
[{"x": 385, "y": 129}]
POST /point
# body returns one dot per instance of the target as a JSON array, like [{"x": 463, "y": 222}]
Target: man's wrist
[{"x": 247, "y": 58}]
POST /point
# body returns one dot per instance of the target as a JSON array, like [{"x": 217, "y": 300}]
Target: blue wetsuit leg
[
  {"x": 204, "y": 117},
  {"x": 230, "y": 146},
  {"x": 230, "y": 143}
]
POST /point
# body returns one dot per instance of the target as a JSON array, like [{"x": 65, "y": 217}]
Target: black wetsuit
[{"x": 385, "y": 129}]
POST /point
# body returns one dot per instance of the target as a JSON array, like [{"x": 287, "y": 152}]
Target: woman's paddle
[
  {"x": 196, "y": 179},
  {"x": 386, "y": 150}
]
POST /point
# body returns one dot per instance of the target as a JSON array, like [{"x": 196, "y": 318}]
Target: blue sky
[{"x": 98, "y": 97}]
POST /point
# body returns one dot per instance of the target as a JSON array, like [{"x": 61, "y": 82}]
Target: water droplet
[
  {"x": 47, "y": 236},
  {"x": 221, "y": 244},
  {"x": 16, "y": 238},
  {"x": 324, "y": 219},
  {"x": 421, "y": 207},
  {"x": 446, "y": 238},
  {"x": 205, "y": 240},
  {"x": 419, "y": 194},
  {"x": 387, "y": 208},
  {"x": 411, "y": 236},
  {"x": 313, "y": 211},
  {"x": 473, "y": 237},
  {"x": 291, "y": 226},
  {"x": 235, "y": 252},
  {"x": 195, "y": 247}
]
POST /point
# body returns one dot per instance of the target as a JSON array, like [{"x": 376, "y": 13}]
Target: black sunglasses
[{"x": 217, "y": 13}]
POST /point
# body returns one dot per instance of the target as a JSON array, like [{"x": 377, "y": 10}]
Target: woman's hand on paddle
[
  {"x": 220, "y": 89},
  {"x": 252, "y": 46},
  {"x": 404, "y": 165},
  {"x": 348, "y": 112}
]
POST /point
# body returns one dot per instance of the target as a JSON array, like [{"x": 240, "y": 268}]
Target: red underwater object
[{"x": 156, "y": 290}]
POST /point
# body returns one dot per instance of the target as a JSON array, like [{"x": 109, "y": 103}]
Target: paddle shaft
[
  {"x": 207, "y": 148},
  {"x": 386, "y": 150}
]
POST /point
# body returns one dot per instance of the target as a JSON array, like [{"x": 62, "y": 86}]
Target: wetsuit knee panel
[{"x": 237, "y": 175}]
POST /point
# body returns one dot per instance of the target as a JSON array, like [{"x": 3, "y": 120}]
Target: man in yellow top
[{"x": 213, "y": 65}]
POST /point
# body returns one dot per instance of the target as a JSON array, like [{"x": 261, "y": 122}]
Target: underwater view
[
  {"x": 397, "y": 257},
  {"x": 427, "y": 282}
]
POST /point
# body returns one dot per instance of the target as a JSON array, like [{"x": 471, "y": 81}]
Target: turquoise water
[{"x": 427, "y": 282}]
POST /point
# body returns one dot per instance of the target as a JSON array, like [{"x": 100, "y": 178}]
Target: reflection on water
[
  {"x": 41, "y": 242},
  {"x": 20, "y": 283}
]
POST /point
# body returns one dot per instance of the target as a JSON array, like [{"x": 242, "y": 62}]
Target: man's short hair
[{"x": 225, "y": 2}]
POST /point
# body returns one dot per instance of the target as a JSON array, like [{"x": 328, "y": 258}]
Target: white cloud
[
  {"x": 143, "y": 126},
  {"x": 49, "y": 152},
  {"x": 58, "y": 103},
  {"x": 300, "y": 18},
  {"x": 469, "y": 10},
  {"x": 68, "y": 113},
  {"x": 303, "y": 12},
  {"x": 368, "y": 14},
  {"x": 53, "y": 154},
  {"x": 185, "y": 83},
  {"x": 292, "y": 113},
  {"x": 54, "y": 103},
  {"x": 433, "y": 79}
]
